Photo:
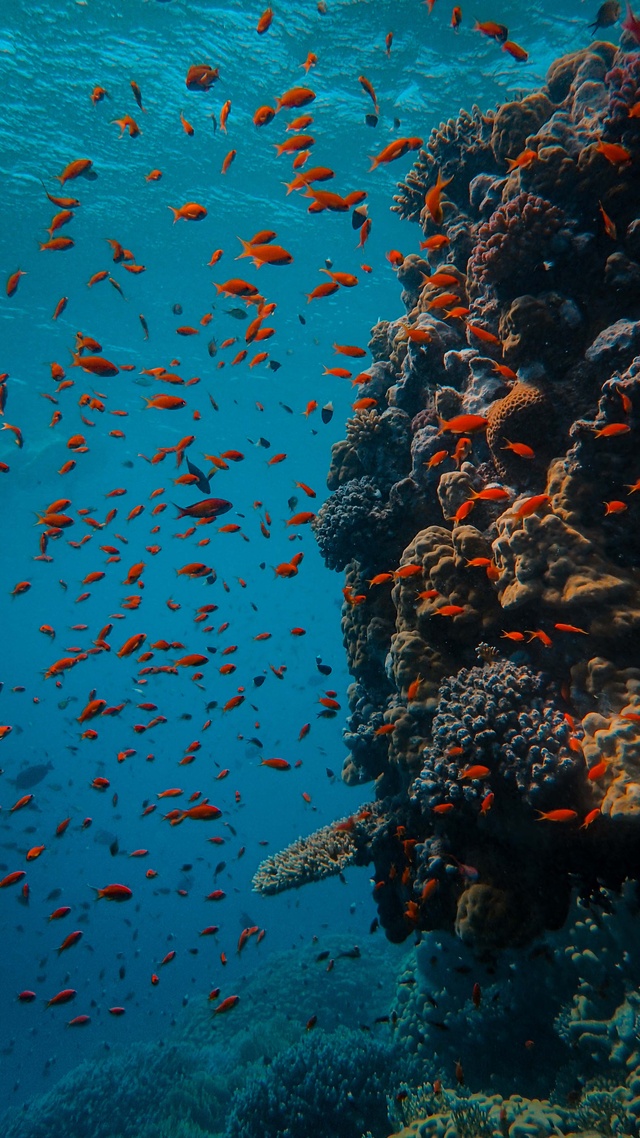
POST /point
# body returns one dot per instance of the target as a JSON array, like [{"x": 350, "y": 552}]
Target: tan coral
[
  {"x": 543, "y": 560},
  {"x": 443, "y": 556},
  {"x": 515, "y": 121},
  {"x": 345, "y": 464},
  {"x": 611, "y": 736},
  {"x": 489, "y": 918},
  {"x": 522, "y": 416}
]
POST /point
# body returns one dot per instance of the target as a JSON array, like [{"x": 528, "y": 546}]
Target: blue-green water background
[{"x": 51, "y": 57}]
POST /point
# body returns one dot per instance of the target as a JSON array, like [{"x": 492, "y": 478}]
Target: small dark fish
[
  {"x": 220, "y": 866},
  {"x": 287, "y": 408},
  {"x": 301, "y": 318},
  {"x": 322, "y": 956},
  {"x": 215, "y": 122},
  {"x": 274, "y": 365},
  {"x": 212, "y": 348},
  {"x": 328, "y": 263},
  {"x": 262, "y": 442},
  {"x": 351, "y": 953},
  {"x": 237, "y": 313},
  {"x": 324, "y": 669},
  {"x": 186, "y": 715},
  {"x": 255, "y": 743},
  {"x": 203, "y": 482},
  {"x": 54, "y": 894},
  {"x": 371, "y": 120},
  {"x": 186, "y": 868},
  {"x": 329, "y": 773},
  {"x": 211, "y": 704},
  {"x": 213, "y": 403},
  {"x": 145, "y": 327},
  {"x": 31, "y": 776},
  {"x": 292, "y": 502},
  {"x": 373, "y": 927},
  {"x": 358, "y": 217},
  {"x": 327, "y": 413},
  {"x": 122, "y": 972},
  {"x": 258, "y": 681},
  {"x": 608, "y": 14},
  {"x": 381, "y": 1019},
  {"x": 177, "y": 309},
  {"x": 114, "y": 847},
  {"x": 396, "y": 124}
]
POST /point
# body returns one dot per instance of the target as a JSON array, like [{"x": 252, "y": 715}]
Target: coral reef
[
  {"x": 485, "y": 513},
  {"x": 331, "y": 1086}
]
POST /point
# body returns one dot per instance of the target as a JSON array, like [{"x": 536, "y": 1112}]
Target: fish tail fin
[
  {"x": 246, "y": 249},
  {"x": 175, "y": 213},
  {"x": 181, "y": 512}
]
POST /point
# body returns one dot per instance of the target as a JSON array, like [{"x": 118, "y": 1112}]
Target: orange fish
[
  {"x": 515, "y": 51},
  {"x": 532, "y": 505},
  {"x": 476, "y": 771},
  {"x": 521, "y": 449},
  {"x": 295, "y": 97},
  {"x": 113, "y": 892},
  {"x": 612, "y": 430},
  {"x": 264, "y": 23},
  {"x": 190, "y": 211},
  {"x": 614, "y": 153},
  {"x": 433, "y": 198},
  {"x": 556, "y": 816},
  {"x": 463, "y": 424}
]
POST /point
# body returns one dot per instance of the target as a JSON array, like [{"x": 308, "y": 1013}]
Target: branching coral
[
  {"x": 324, "y": 853},
  {"x": 331, "y": 1086}
]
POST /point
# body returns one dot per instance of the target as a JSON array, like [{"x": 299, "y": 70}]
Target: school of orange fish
[{"x": 89, "y": 376}]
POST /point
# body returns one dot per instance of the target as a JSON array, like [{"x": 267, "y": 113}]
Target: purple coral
[
  {"x": 513, "y": 244},
  {"x": 623, "y": 82}
]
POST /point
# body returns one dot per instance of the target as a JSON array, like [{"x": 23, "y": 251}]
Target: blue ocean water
[{"x": 52, "y": 56}]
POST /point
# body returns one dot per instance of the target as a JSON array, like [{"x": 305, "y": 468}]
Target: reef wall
[{"x": 484, "y": 511}]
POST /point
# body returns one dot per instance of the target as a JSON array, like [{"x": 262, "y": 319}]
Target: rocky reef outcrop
[{"x": 486, "y": 516}]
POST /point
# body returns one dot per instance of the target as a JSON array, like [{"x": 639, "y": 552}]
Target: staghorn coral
[
  {"x": 322, "y": 854},
  {"x": 331, "y": 1086}
]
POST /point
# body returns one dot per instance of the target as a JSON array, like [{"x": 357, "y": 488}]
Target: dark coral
[
  {"x": 503, "y": 716},
  {"x": 513, "y": 245},
  {"x": 331, "y": 1086},
  {"x": 343, "y": 525}
]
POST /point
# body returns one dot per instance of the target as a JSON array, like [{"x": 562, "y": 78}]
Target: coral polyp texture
[{"x": 486, "y": 514}]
